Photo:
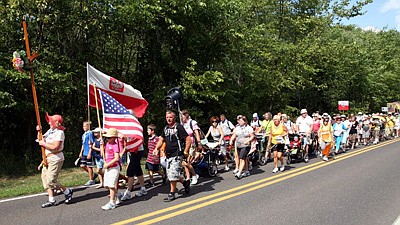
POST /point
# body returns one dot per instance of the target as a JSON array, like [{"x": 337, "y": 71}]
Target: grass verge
[{"x": 69, "y": 177}]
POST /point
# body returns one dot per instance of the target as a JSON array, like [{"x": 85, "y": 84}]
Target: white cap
[
  {"x": 97, "y": 130},
  {"x": 303, "y": 111},
  {"x": 255, "y": 115},
  {"x": 359, "y": 113}
]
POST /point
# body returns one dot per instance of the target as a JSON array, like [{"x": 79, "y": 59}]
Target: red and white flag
[
  {"x": 123, "y": 93},
  {"x": 115, "y": 115}
]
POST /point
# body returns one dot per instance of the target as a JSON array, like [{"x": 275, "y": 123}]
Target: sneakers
[
  {"x": 186, "y": 184},
  {"x": 108, "y": 206},
  {"x": 48, "y": 204},
  {"x": 238, "y": 176},
  {"x": 275, "y": 170},
  {"x": 325, "y": 158},
  {"x": 170, "y": 197},
  {"x": 151, "y": 184},
  {"x": 127, "y": 195},
  {"x": 246, "y": 174},
  {"x": 235, "y": 171},
  {"x": 90, "y": 183},
  {"x": 282, "y": 168},
  {"x": 226, "y": 168},
  {"x": 118, "y": 198},
  {"x": 194, "y": 179},
  {"x": 141, "y": 193},
  {"x": 68, "y": 197}
]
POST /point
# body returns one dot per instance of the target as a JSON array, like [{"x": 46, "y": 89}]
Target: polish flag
[{"x": 123, "y": 93}]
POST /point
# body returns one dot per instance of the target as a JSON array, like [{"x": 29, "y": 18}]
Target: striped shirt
[{"x": 154, "y": 159}]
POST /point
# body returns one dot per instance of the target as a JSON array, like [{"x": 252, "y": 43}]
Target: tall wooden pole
[
  {"x": 98, "y": 120},
  {"x": 35, "y": 102}
]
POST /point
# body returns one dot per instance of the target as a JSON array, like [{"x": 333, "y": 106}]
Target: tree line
[{"x": 229, "y": 56}]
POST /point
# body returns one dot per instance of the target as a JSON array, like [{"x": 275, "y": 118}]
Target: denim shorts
[{"x": 99, "y": 163}]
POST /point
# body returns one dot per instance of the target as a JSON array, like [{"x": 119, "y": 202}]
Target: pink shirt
[
  {"x": 316, "y": 125},
  {"x": 110, "y": 150}
]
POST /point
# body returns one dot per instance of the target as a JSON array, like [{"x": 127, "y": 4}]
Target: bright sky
[{"x": 379, "y": 14}]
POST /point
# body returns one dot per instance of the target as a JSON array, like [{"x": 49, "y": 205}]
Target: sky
[{"x": 378, "y": 15}]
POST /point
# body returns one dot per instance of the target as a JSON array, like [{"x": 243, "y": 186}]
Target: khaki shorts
[{"x": 50, "y": 175}]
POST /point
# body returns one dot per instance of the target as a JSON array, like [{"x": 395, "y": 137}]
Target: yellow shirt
[
  {"x": 326, "y": 132},
  {"x": 267, "y": 124},
  {"x": 277, "y": 131}
]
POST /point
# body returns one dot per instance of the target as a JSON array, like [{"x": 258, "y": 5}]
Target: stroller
[
  {"x": 294, "y": 152},
  {"x": 206, "y": 164}
]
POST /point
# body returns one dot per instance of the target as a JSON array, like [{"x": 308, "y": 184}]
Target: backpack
[{"x": 203, "y": 139}]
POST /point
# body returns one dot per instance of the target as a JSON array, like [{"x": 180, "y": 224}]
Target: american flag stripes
[{"x": 115, "y": 115}]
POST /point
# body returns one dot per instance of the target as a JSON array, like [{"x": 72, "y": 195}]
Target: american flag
[{"x": 115, "y": 115}]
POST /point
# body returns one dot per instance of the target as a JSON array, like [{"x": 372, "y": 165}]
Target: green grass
[{"x": 69, "y": 177}]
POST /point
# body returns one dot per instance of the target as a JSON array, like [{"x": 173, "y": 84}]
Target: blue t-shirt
[{"x": 87, "y": 140}]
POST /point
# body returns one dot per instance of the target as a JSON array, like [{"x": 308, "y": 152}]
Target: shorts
[
  {"x": 243, "y": 152},
  {"x": 352, "y": 138},
  {"x": 111, "y": 176},
  {"x": 278, "y": 148},
  {"x": 174, "y": 168},
  {"x": 152, "y": 167},
  {"x": 222, "y": 150},
  {"x": 50, "y": 175},
  {"x": 365, "y": 134},
  {"x": 134, "y": 167},
  {"x": 375, "y": 133},
  {"x": 87, "y": 162},
  {"x": 99, "y": 163},
  {"x": 163, "y": 161}
]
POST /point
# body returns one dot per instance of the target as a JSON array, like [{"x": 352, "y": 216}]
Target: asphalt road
[{"x": 359, "y": 187}]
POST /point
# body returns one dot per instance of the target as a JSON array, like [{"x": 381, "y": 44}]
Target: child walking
[
  {"x": 111, "y": 166},
  {"x": 87, "y": 161},
  {"x": 153, "y": 160}
]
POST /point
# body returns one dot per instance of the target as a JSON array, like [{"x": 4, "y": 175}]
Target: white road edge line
[
  {"x": 44, "y": 193},
  {"x": 397, "y": 221}
]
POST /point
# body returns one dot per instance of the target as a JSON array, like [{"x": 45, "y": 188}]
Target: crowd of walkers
[{"x": 182, "y": 143}]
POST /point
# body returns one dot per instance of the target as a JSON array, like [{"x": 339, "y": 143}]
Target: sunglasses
[{"x": 215, "y": 121}]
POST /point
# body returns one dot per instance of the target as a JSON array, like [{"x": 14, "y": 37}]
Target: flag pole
[
  {"x": 35, "y": 102},
  {"x": 98, "y": 121}
]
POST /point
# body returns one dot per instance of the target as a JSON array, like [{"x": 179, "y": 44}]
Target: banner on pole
[
  {"x": 343, "y": 105},
  {"x": 120, "y": 91}
]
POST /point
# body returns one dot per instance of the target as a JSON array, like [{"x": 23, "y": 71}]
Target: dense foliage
[{"x": 230, "y": 56}]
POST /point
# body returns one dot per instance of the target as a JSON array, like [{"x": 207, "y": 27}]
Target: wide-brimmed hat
[
  {"x": 97, "y": 130},
  {"x": 55, "y": 120},
  {"x": 112, "y": 132},
  {"x": 303, "y": 111}
]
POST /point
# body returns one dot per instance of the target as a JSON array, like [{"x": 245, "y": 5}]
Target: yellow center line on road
[{"x": 269, "y": 181}]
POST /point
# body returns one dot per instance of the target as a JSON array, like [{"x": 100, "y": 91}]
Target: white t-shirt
[
  {"x": 52, "y": 136},
  {"x": 242, "y": 134},
  {"x": 227, "y": 127},
  {"x": 304, "y": 124}
]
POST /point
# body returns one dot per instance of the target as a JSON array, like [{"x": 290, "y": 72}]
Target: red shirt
[{"x": 153, "y": 159}]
